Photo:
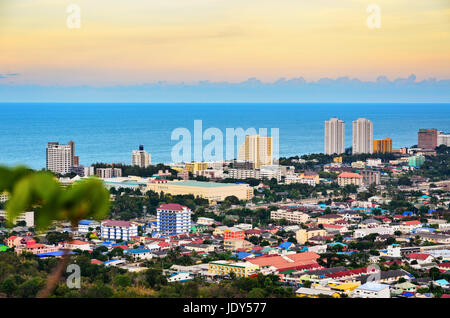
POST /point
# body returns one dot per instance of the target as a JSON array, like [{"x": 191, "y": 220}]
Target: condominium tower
[
  {"x": 427, "y": 138},
  {"x": 256, "y": 149},
  {"x": 362, "y": 141},
  {"x": 382, "y": 145},
  {"x": 334, "y": 136},
  {"x": 60, "y": 158},
  {"x": 141, "y": 158}
]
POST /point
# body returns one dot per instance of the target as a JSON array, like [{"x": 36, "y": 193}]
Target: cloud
[
  {"x": 8, "y": 75},
  {"x": 342, "y": 89}
]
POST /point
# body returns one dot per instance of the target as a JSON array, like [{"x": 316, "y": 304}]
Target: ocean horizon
[{"x": 108, "y": 132}]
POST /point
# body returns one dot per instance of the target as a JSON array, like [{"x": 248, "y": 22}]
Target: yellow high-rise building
[
  {"x": 382, "y": 145},
  {"x": 195, "y": 166},
  {"x": 256, "y": 149}
]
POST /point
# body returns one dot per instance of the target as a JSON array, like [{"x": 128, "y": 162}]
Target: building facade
[
  {"x": 362, "y": 139},
  {"x": 115, "y": 230},
  {"x": 443, "y": 139},
  {"x": 346, "y": 178},
  {"x": 256, "y": 149},
  {"x": 427, "y": 138},
  {"x": 173, "y": 218},
  {"x": 60, "y": 158},
  {"x": 382, "y": 145},
  {"x": 141, "y": 158},
  {"x": 211, "y": 191},
  {"x": 334, "y": 141}
]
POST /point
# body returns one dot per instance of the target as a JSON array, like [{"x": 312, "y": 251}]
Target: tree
[
  {"x": 122, "y": 281},
  {"x": 8, "y": 286},
  {"x": 41, "y": 192},
  {"x": 256, "y": 293}
]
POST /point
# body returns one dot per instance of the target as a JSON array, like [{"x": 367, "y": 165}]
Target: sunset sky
[{"x": 143, "y": 41}]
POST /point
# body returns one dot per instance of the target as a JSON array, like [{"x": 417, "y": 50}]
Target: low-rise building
[
  {"x": 291, "y": 216},
  {"x": 240, "y": 269},
  {"x": 371, "y": 290}
]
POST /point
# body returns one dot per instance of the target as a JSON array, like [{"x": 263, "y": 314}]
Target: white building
[
  {"x": 362, "y": 140},
  {"x": 60, "y": 158},
  {"x": 27, "y": 217},
  {"x": 371, "y": 290},
  {"x": 173, "y": 218},
  {"x": 291, "y": 216},
  {"x": 109, "y": 172},
  {"x": 141, "y": 158},
  {"x": 205, "y": 221},
  {"x": 115, "y": 230},
  {"x": 359, "y": 233},
  {"x": 334, "y": 142},
  {"x": 443, "y": 139},
  {"x": 270, "y": 171},
  {"x": 85, "y": 225}
]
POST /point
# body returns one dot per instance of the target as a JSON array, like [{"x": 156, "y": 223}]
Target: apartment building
[
  {"x": 115, "y": 230},
  {"x": 334, "y": 139},
  {"x": 60, "y": 158},
  {"x": 296, "y": 217},
  {"x": 362, "y": 139},
  {"x": 141, "y": 158},
  {"x": 256, "y": 149},
  {"x": 173, "y": 218}
]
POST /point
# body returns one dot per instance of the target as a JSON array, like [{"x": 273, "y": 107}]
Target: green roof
[{"x": 200, "y": 184}]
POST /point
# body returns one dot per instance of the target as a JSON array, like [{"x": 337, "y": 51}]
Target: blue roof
[
  {"x": 442, "y": 282},
  {"x": 85, "y": 222},
  {"x": 54, "y": 254},
  {"x": 407, "y": 294},
  {"x": 242, "y": 255},
  {"x": 137, "y": 251},
  {"x": 285, "y": 245}
]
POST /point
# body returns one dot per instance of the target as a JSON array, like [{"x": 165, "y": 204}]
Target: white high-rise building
[
  {"x": 443, "y": 139},
  {"x": 60, "y": 158},
  {"x": 334, "y": 142},
  {"x": 141, "y": 158},
  {"x": 256, "y": 149},
  {"x": 362, "y": 141}
]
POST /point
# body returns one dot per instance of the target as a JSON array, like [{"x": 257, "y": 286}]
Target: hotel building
[
  {"x": 362, "y": 140},
  {"x": 334, "y": 142},
  {"x": 60, "y": 158},
  {"x": 141, "y": 158},
  {"x": 173, "y": 218},
  {"x": 256, "y": 149}
]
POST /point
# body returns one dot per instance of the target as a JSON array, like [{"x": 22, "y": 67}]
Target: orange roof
[
  {"x": 349, "y": 175},
  {"x": 415, "y": 222},
  {"x": 282, "y": 262},
  {"x": 76, "y": 242}
]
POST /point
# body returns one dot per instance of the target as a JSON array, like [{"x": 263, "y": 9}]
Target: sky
[{"x": 138, "y": 42}]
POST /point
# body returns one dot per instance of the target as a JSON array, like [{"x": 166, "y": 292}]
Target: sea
[{"x": 108, "y": 132}]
